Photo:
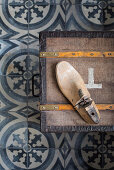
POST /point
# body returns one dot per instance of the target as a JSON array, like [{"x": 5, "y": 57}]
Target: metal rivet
[{"x": 55, "y": 107}]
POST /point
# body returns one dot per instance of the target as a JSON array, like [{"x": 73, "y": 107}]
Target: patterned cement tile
[
  {"x": 13, "y": 130},
  {"x": 90, "y": 16},
  {"x": 49, "y": 17},
  {"x": 13, "y": 20},
  {"x": 81, "y": 160},
  {"x": 37, "y": 139},
  {"x": 89, "y": 150},
  {"x": 11, "y": 159},
  {"x": 22, "y": 144},
  {"x": 14, "y": 58},
  {"x": 34, "y": 159},
  {"x": 36, "y": 2},
  {"x": 13, "y": 93}
]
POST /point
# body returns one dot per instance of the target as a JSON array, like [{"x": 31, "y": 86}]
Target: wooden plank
[
  {"x": 75, "y": 54},
  {"x": 67, "y": 121},
  {"x": 63, "y": 107},
  {"x": 79, "y": 44}
]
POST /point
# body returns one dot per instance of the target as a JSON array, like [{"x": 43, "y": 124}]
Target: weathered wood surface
[
  {"x": 66, "y": 119},
  {"x": 103, "y": 77},
  {"x": 78, "y": 44}
]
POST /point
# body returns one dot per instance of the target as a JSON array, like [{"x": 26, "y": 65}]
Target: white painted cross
[{"x": 91, "y": 84}]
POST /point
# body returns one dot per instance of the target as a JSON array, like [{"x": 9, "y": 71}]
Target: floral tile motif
[
  {"x": 91, "y": 150},
  {"x": 13, "y": 131},
  {"x": 37, "y": 139},
  {"x": 13, "y": 93},
  {"x": 49, "y": 17},
  {"x": 90, "y": 16},
  {"x": 13, "y": 159},
  {"x": 13, "y": 57},
  {"x": 22, "y": 144},
  {"x": 13, "y": 21},
  {"x": 50, "y": 159},
  {"x": 37, "y": 159},
  {"x": 104, "y": 8}
]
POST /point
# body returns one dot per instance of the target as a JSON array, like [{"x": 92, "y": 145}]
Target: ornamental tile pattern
[{"x": 22, "y": 144}]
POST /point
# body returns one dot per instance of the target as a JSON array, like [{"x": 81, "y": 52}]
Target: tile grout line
[{"x": 27, "y": 93}]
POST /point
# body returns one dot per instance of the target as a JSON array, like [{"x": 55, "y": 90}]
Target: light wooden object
[{"x": 71, "y": 84}]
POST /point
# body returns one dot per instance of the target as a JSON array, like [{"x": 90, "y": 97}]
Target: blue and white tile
[
  {"x": 36, "y": 159},
  {"x": 13, "y": 93},
  {"x": 79, "y": 160},
  {"x": 37, "y": 139},
  {"x": 89, "y": 150},
  {"x": 13, "y": 57},
  {"x": 13, "y": 159},
  {"x": 3, "y": 2},
  {"x": 73, "y": 2},
  {"x": 108, "y": 15},
  {"x": 13, "y": 20},
  {"x": 47, "y": 2},
  {"x": 34, "y": 87},
  {"x": 13, "y": 130},
  {"x": 70, "y": 139},
  {"x": 90, "y": 16},
  {"x": 50, "y": 17},
  {"x": 102, "y": 10},
  {"x": 83, "y": 18},
  {"x": 40, "y": 159},
  {"x": 71, "y": 162}
]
